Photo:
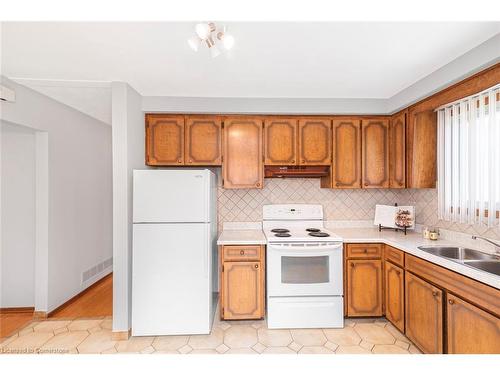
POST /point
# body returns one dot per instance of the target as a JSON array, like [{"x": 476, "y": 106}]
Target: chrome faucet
[{"x": 490, "y": 241}]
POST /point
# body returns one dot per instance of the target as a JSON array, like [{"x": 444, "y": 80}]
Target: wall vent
[{"x": 94, "y": 273}]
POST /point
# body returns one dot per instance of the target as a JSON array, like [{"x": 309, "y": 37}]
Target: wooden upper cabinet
[
  {"x": 424, "y": 314},
  {"x": 164, "y": 140},
  {"x": 471, "y": 330},
  {"x": 421, "y": 153},
  {"x": 364, "y": 287},
  {"x": 242, "y": 148},
  {"x": 203, "y": 141},
  {"x": 375, "y": 153},
  {"x": 315, "y": 147},
  {"x": 242, "y": 290},
  {"x": 394, "y": 295},
  {"x": 280, "y": 141},
  {"x": 397, "y": 151},
  {"x": 346, "y": 165}
]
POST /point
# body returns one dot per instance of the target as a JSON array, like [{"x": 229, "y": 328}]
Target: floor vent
[{"x": 99, "y": 268}]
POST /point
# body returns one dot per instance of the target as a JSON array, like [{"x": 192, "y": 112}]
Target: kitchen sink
[
  {"x": 458, "y": 253},
  {"x": 469, "y": 257},
  {"x": 491, "y": 266}
]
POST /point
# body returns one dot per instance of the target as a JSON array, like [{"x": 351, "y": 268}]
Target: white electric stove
[{"x": 304, "y": 268}]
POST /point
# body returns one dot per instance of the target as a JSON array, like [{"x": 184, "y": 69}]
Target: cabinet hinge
[
  {"x": 222, "y": 158},
  {"x": 222, "y": 268},
  {"x": 222, "y": 125},
  {"x": 223, "y": 311}
]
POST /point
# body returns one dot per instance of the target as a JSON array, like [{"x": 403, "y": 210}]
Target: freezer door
[
  {"x": 171, "y": 279},
  {"x": 172, "y": 196}
]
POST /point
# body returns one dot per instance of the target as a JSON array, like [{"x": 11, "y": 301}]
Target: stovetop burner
[
  {"x": 280, "y": 230},
  {"x": 319, "y": 234},
  {"x": 313, "y": 230},
  {"x": 282, "y": 234}
]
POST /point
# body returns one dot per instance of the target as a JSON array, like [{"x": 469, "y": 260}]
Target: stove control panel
[{"x": 292, "y": 212}]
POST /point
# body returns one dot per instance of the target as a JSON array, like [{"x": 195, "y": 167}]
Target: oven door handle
[{"x": 309, "y": 252}]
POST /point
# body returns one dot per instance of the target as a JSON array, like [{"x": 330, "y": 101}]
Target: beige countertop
[
  {"x": 242, "y": 237},
  {"x": 408, "y": 244}
]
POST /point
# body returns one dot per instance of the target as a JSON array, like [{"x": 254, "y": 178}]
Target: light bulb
[
  {"x": 202, "y": 30},
  {"x": 214, "y": 52},
  {"x": 228, "y": 41},
  {"x": 194, "y": 43}
]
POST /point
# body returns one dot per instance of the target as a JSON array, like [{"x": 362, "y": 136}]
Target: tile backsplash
[{"x": 349, "y": 204}]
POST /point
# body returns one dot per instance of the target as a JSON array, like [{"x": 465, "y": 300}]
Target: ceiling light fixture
[{"x": 211, "y": 36}]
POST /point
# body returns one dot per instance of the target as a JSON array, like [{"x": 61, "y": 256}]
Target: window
[{"x": 469, "y": 159}]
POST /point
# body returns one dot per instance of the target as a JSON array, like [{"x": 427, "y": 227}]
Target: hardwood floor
[
  {"x": 11, "y": 322},
  {"x": 95, "y": 301}
]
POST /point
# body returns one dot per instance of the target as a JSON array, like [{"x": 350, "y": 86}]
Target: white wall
[
  {"x": 128, "y": 154},
  {"x": 18, "y": 216},
  {"x": 79, "y": 187}
]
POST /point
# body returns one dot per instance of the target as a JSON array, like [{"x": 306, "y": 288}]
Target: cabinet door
[
  {"x": 346, "y": 165},
  {"x": 164, "y": 140},
  {"x": 470, "y": 329},
  {"x": 243, "y": 290},
  {"x": 280, "y": 141},
  {"x": 242, "y": 166},
  {"x": 424, "y": 314},
  {"x": 394, "y": 295},
  {"x": 315, "y": 145},
  {"x": 421, "y": 154},
  {"x": 203, "y": 140},
  {"x": 364, "y": 287},
  {"x": 397, "y": 151},
  {"x": 375, "y": 153}
]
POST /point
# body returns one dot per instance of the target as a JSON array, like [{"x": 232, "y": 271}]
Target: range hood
[{"x": 302, "y": 171}]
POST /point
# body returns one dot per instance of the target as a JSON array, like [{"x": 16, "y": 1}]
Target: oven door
[{"x": 304, "y": 269}]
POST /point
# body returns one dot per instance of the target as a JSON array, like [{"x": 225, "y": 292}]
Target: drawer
[
  {"x": 241, "y": 252},
  {"x": 394, "y": 255},
  {"x": 364, "y": 250}
]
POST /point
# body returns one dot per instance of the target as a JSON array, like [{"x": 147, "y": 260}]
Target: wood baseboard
[
  {"x": 17, "y": 310},
  {"x": 120, "y": 335},
  {"x": 40, "y": 315},
  {"x": 86, "y": 290}
]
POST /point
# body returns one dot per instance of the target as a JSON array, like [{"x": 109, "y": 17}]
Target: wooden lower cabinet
[
  {"x": 364, "y": 287},
  {"x": 470, "y": 330},
  {"x": 394, "y": 295},
  {"x": 242, "y": 283},
  {"x": 424, "y": 314}
]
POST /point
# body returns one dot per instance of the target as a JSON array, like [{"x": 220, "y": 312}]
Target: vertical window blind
[{"x": 469, "y": 159}]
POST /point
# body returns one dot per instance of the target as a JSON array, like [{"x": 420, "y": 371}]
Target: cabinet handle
[
  {"x": 352, "y": 265},
  {"x": 179, "y": 161},
  {"x": 190, "y": 161},
  {"x": 337, "y": 184},
  {"x": 256, "y": 266},
  {"x": 365, "y": 250},
  {"x": 451, "y": 302},
  {"x": 242, "y": 252},
  {"x": 434, "y": 293},
  {"x": 293, "y": 161},
  {"x": 398, "y": 272},
  {"x": 303, "y": 161},
  {"x": 257, "y": 184},
  {"x": 366, "y": 183}
]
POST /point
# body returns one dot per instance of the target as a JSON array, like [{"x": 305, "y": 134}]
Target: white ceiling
[{"x": 287, "y": 60}]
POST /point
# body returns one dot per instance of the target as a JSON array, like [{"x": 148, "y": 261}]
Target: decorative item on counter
[
  {"x": 394, "y": 217},
  {"x": 426, "y": 233},
  {"x": 433, "y": 234}
]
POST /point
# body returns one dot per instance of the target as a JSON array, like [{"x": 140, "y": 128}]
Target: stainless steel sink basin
[
  {"x": 457, "y": 253},
  {"x": 469, "y": 257},
  {"x": 491, "y": 266}
]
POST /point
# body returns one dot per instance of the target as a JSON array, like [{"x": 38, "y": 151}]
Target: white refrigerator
[{"x": 174, "y": 256}]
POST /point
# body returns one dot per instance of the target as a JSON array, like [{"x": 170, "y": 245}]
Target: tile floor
[{"x": 360, "y": 336}]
